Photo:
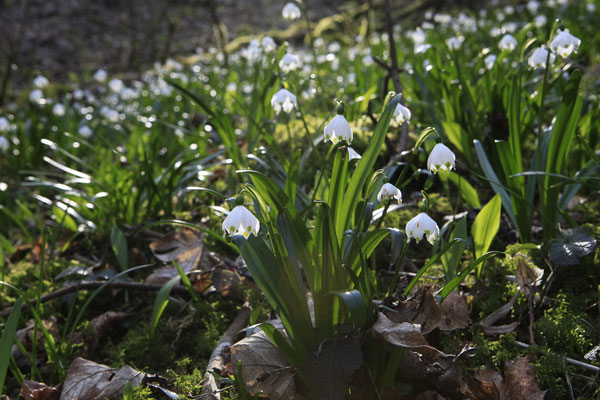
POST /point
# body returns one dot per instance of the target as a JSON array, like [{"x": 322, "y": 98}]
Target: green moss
[{"x": 563, "y": 329}]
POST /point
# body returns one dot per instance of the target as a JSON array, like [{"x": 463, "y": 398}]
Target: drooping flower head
[
  {"x": 564, "y": 43},
  {"x": 490, "y": 60},
  {"x": 441, "y": 157},
  {"x": 291, "y": 12},
  {"x": 338, "y": 130},
  {"x": 37, "y": 96},
  {"x": 538, "y": 58},
  {"x": 455, "y": 42},
  {"x": 401, "y": 114},
  {"x": 85, "y": 131},
  {"x": 268, "y": 44},
  {"x": 389, "y": 191},
  {"x": 58, "y": 110},
  {"x": 283, "y": 100},
  {"x": 40, "y": 82},
  {"x": 422, "y": 225},
  {"x": 100, "y": 75},
  {"x": 4, "y": 124},
  {"x": 289, "y": 62},
  {"x": 508, "y": 42},
  {"x": 353, "y": 155},
  {"x": 241, "y": 221},
  {"x": 4, "y": 143}
]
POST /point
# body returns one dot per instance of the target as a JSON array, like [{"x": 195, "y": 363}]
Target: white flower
[
  {"x": 508, "y": 42},
  {"x": 422, "y": 225},
  {"x": 40, "y": 82},
  {"x": 401, "y": 114},
  {"x": 36, "y": 96},
  {"x": 368, "y": 60},
  {"x": 564, "y": 43},
  {"x": 490, "y": 60},
  {"x": 252, "y": 52},
  {"x": 338, "y": 129},
  {"x": 422, "y": 48},
  {"x": 4, "y": 124},
  {"x": 116, "y": 85},
  {"x": 58, "y": 110},
  {"x": 291, "y": 12},
  {"x": 240, "y": 221},
  {"x": 441, "y": 157},
  {"x": 590, "y": 7},
  {"x": 289, "y": 62},
  {"x": 4, "y": 143},
  {"x": 539, "y": 57},
  {"x": 268, "y": 44},
  {"x": 533, "y": 6},
  {"x": 353, "y": 155},
  {"x": 540, "y": 21},
  {"x": 455, "y": 42},
  {"x": 389, "y": 191},
  {"x": 100, "y": 75},
  {"x": 85, "y": 131},
  {"x": 283, "y": 99}
]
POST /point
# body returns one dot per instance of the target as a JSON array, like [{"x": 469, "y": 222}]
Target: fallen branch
[
  {"x": 567, "y": 359},
  {"x": 89, "y": 285},
  {"x": 210, "y": 388}
]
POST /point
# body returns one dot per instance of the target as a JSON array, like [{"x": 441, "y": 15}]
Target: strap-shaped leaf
[{"x": 450, "y": 286}]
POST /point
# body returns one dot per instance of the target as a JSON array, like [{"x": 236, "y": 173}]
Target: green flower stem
[{"x": 397, "y": 272}]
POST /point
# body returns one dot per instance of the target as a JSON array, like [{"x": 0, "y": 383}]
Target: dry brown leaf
[
  {"x": 487, "y": 325},
  {"x": 455, "y": 313},
  {"x": 486, "y": 384},
  {"x": 264, "y": 368},
  {"x": 87, "y": 380},
  {"x": 185, "y": 246},
  {"x": 31, "y": 390},
  {"x": 422, "y": 309},
  {"x": 25, "y": 336},
  {"x": 101, "y": 325},
  {"x": 405, "y": 335},
  {"x": 521, "y": 380},
  {"x": 527, "y": 274}
]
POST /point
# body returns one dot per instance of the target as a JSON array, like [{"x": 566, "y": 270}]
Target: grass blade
[{"x": 8, "y": 337}]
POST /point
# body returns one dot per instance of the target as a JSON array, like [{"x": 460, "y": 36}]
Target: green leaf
[
  {"x": 492, "y": 178},
  {"x": 467, "y": 191},
  {"x": 8, "y": 337},
  {"x": 486, "y": 226},
  {"x": 356, "y": 306},
  {"x": 119, "y": 246},
  {"x": 458, "y": 279},
  {"x": 161, "y": 301},
  {"x": 364, "y": 169},
  {"x": 127, "y": 391},
  {"x": 451, "y": 259}
]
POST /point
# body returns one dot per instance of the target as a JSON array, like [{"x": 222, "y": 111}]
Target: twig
[
  {"x": 567, "y": 359},
  {"x": 179, "y": 289},
  {"x": 210, "y": 388}
]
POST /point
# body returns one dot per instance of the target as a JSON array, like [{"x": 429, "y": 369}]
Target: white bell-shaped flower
[
  {"x": 4, "y": 124},
  {"x": 508, "y": 42},
  {"x": 283, "y": 100},
  {"x": 490, "y": 60},
  {"x": 4, "y": 143},
  {"x": 100, "y": 75},
  {"x": 564, "y": 43},
  {"x": 85, "y": 131},
  {"x": 455, "y": 42},
  {"x": 291, "y": 12},
  {"x": 116, "y": 85},
  {"x": 353, "y": 155},
  {"x": 401, "y": 114},
  {"x": 389, "y": 191},
  {"x": 40, "y": 82},
  {"x": 338, "y": 130},
  {"x": 533, "y": 6},
  {"x": 58, "y": 110},
  {"x": 538, "y": 58},
  {"x": 422, "y": 225},
  {"x": 37, "y": 96},
  {"x": 241, "y": 221},
  {"x": 289, "y": 62},
  {"x": 268, "y": 44},
  {"x": 540, "y": 21},
  {"x": 441, "y": 157}
]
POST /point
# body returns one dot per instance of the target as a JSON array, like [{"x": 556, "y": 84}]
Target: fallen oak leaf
[
  {"x": 31, "y": 390},
  {"x": 185, "y": 246},
  {"x": 455, "y": 313},
  {"x": 486, "y": 384},
  {"x": 87, "y": 380},
  {"x": 487, "y": 325},
  {"x": 521, "y": 380},
  {"x": 405, "y": 335}
]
